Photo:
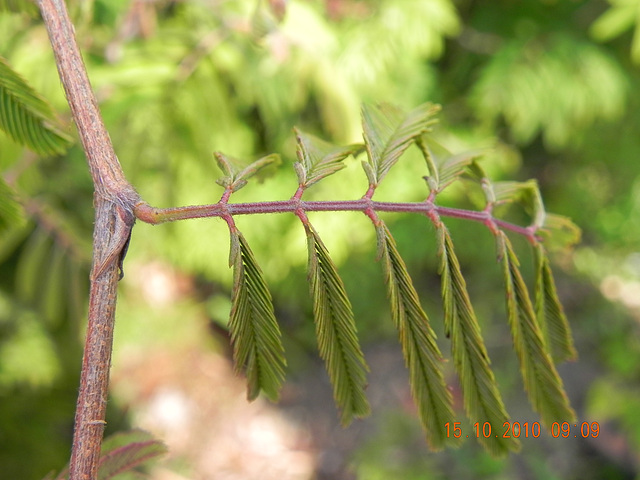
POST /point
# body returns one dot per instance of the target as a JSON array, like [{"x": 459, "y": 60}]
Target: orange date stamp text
[{"x": 524, "y": 430}]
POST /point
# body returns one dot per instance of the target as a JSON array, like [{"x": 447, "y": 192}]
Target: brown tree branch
[
  {"x": 114, "y": 200},
  {"x": 117, "y": 205}
]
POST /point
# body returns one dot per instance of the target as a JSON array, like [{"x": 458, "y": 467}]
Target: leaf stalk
[{"x": 155, "y": 216}]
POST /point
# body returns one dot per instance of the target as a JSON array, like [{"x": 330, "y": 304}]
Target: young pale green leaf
[
  {"x": 541, "y": 380},
  {"x": 255, "y": 335},
  {"x": 476, "y": 174},
  {"x": 482, "y": 399},
  {"x": 319, "y": 159},
  {"x": 388, "y": 132},
  {"x": 506, "y": 192},
  {"x": 433, "y": 180},
  {"x": 125, "y": 451},
  {"x": 421, "y": 353},
  {"x": 444, "y": 167},
  {"x": 553, "y": 321},
  {"x": 525, "y": 193},
  {"x": 559, "y": 231},
  {"x": 235, "y": 175},
  {"x": 26, "y": 117},
  {"x": 368, "y": 170},
  {"x": 336, "y": 332}
]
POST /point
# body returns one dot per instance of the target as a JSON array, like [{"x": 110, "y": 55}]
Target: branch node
[{"x": 146, "y": 213}]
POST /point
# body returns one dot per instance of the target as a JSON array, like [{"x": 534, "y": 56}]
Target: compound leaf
[
  {"x": 124, "y": 451},
  {"x": 121, "y": 453},
  {"x": 541, "y": 380},
  {"x": 421, "y": 353},
  {"x": 482, "y": 399},
  {"x": 388, "y": 132},
  {"x": 319, "y": 159},
  {"x": 559, "y": 231},
  {"x": 444, "y": 167},
  {"x": 236, "y": 176},
  {"x": 525, "y": 193},
  {"x": 336, "y": 332},
  {"x": 26, "y": 117},
  {"x": 553, "y": 321},
  {"x": 255, "y": 335}
]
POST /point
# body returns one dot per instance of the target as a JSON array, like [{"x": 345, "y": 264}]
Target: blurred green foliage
[{"x": 550, "y": 86}]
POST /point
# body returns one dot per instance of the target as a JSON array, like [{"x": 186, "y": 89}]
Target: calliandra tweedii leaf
[
  {"x": 122, "y": 452},
  {"x": 559, "y": 231},
  {"x": 126, "y": 450},
  {"x": 388, "y": 132},
  {"x": 421, "y": 353},
  {"x": 475, "y": 171},
  {"x": 236, "y": 175},
  {"x": 480, "y": 391},
  {"x": 476, "y": 174},
  {"x": 336, "y": 332},
  {"x": 255, "y": 335},
  {"x": 318, "y": 158},
  {"x": 541, "y": 380},
  {"x": 444, "y": 167},
  {"x": 26, "y": 117},
  {"x": 525, "y": 193},
  {"x": 551, "y": 317},
  {"x": 528, "y": 195}
]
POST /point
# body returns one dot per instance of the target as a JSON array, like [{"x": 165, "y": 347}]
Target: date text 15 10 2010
[{"x": 526, "y": 429}]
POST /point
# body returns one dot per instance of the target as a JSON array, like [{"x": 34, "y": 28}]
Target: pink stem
[{"x": 295, "y": 205}]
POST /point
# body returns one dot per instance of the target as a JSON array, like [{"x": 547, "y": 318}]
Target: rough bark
[{"x": 114, "y": 200}]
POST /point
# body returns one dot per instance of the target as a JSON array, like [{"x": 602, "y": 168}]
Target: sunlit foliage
[{"x": 548, "y": 86}]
